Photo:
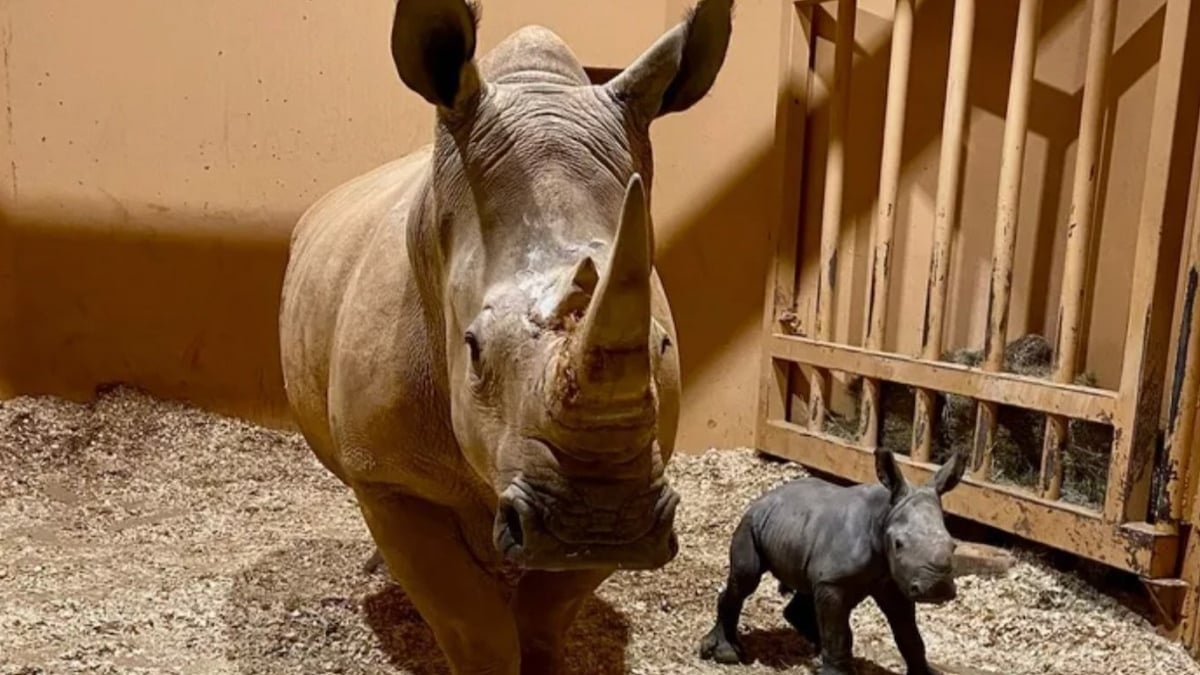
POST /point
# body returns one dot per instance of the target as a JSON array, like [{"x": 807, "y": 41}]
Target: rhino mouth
[
  {"x": 938, "y": 592},
  {"x": 537, "y": 531}
]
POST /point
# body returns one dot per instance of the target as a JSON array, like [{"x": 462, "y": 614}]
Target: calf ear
[
  {"x": 680, "y": 68},
  {"x": 948, "y": 477},
  {"x": 433, "y": 47},
  {"x": 889, "y": 473}
]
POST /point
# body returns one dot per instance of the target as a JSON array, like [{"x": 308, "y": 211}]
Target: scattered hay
[
  {"x": 1019, "y": 433},
  {"x": 148, "y": 537}
]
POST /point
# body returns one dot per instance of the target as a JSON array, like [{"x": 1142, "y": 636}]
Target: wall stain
[{"x": 8, "y": 109}]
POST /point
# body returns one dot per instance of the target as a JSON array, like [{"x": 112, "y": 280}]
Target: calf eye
[
  {"x": 897, "y": 544},
  {"x": 666, "y": 343},
  {"x": 472, "y": 345}
]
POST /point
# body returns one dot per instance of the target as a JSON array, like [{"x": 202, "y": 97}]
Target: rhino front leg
[
  {"x": 545, "y": 606},
  {"x": 423, "y": 549},
  {"x": 837, "y": 641},
  {"x": 901, "y": 614},
  {"x": 721, "y": 644}
]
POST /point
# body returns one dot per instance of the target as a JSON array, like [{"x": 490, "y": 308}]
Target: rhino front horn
[{"x": 614, "y": 348}]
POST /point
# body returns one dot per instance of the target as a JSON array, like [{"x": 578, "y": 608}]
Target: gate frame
[{"x": 1118, "y": 534}]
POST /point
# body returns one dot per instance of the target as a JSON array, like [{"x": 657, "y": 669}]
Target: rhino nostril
[
  {"x": 512, "y": 520},
  {"x": 915, "y": 588}
]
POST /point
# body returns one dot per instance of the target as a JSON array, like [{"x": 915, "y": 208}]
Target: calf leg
[
  {"x": 721, "y": 644},
  {"x": 901, "y": 614},
  {"x": 422, "y": 545},
  {"x": 837, "y": 641},
  {"x": 545, "y": 604},
  {"x": 801, "y": 612}
]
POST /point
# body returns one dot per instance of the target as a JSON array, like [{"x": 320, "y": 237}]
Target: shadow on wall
[
  {"x": 182, "y": 305},
  {"x": 186, "y": 305}
]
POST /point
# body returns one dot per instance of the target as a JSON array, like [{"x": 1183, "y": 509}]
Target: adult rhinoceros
[{"x": 475, "y": 341}]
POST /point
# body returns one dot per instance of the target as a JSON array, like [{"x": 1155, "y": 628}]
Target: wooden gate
[{"x": 1142, "y": 522}]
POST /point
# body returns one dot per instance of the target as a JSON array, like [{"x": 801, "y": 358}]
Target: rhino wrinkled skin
[{"x": 475, "y": 341}]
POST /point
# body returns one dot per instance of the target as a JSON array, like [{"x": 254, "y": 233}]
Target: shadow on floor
[
  {"x": 311, "y": 606},
  {"x": 783, "y": 649}
]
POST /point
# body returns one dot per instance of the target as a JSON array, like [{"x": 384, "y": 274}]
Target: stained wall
[{"x": 156, "y": 155}]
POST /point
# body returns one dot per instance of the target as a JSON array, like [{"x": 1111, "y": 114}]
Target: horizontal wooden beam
[
  {"x": 1135, "y": 547},
  {"x": 1068, "y": 400}
]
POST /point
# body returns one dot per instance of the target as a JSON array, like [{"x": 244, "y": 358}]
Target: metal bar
[
  {"x": 1139, "y": 405},
  {"x": 1136, "y": 548},
  {"x": 945, "y": 216},
  {"x": 1007, "y": 207},
  {"x": 1032, "y": 393},
  {"x": 831, "y": 218},
  {"x": 791, "y": 116},
  {"x": 1079, "y": 229},
  {"x": 885, "y": 220}
]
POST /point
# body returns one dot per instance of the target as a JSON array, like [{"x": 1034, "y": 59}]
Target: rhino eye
[
  {"x": 472, "y": 345},
  {"x": 666, "y": 343},
  {"x": 898, "y": 544}
]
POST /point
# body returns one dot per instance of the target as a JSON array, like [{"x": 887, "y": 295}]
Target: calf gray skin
[{"x": 832, "y": 547}]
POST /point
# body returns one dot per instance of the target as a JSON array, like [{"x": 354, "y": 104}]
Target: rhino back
[
  {"x": 810, "y": 532},
  {"x": 350, "y": 312}
]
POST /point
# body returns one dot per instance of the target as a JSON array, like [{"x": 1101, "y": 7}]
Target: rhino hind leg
[
  {"x": 721, "y": 644},
  {"x": 801, "y": 613}
]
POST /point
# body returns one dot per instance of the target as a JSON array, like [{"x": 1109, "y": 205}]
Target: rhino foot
[
  {"x": 715, "y": 647},
  {"x": 373, "y": 563}
]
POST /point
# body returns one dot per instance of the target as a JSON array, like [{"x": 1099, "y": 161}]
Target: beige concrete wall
[{"x": 157, "y": 154}]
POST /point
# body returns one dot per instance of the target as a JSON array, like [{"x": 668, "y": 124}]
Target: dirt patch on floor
[{"x": 146, "y": 537}]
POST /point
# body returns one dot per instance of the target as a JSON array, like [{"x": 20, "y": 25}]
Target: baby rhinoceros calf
[{"x": 832, "y": 547}]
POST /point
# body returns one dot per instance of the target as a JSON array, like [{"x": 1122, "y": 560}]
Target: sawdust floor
[{"x": 139, "y": 536}]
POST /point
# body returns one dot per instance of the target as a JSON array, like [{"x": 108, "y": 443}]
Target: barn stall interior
[{"x": 984, "y": 172}]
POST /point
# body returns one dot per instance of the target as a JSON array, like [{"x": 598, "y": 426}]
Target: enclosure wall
[{"x": 156, "y": 155}]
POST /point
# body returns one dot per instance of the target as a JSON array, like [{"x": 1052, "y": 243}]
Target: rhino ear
[
  {"x": 889, "y": 473},
  {"x": 948, "y": 477},
  {"x": 433, "y": 47},
  {"x": 680, "y": 68}
]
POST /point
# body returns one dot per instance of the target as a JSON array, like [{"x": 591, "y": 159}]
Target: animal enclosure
[{"x": 958, "y": 270}]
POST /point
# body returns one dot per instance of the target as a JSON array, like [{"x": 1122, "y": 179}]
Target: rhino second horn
[{"x": 616, "y": 330}]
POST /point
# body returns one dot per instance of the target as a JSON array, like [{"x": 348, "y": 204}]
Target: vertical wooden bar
[
  {"x": 1143, "y": 364},
  {"x": 945, "y": 215},
  {"x": 885, "y": 219},
  {"x": 1180, "y": 442},
  {"x": 1185, "y": 391},
  {"x": 1079, "y": 229},
  {"x": 1007, "y": 207},
  {"x": 831, "y": 217},
  {"x": 790, "y": 130}
]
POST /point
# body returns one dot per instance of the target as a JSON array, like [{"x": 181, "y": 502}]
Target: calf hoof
[{"x": 714, "y": 647}]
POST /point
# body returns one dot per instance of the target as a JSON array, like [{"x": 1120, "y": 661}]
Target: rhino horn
[{"x": 614, "y": 354}]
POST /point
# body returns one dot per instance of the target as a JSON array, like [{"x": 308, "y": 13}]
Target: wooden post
[
  {"x": 1008, "y": 205},
  {"x": 831, "y": 218},
  {"x": 1079, "y": 228},
  {"x": 946, "y": 215},
  {"x": 1143, "y": 366},
  {"x": 889, "y": 182},
  {"x": 1182, "y": 472},
  {"x": 790, "y": 122}
]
